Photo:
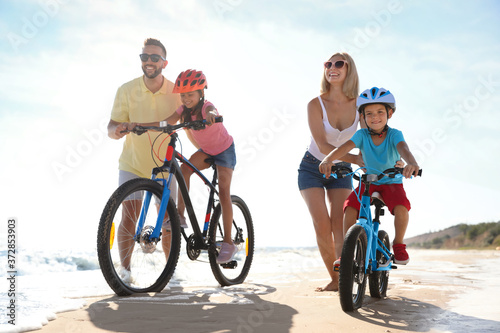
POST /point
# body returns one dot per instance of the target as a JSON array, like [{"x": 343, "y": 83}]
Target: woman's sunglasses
[
  {"x": 154, "y": 57},
  {"x": 338, "y": 64}
]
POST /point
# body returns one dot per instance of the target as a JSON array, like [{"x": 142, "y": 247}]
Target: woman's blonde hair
[{"x": 351, "y": 82}]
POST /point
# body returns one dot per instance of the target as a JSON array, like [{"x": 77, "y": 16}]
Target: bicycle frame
[
  {"x": 171, "y": 166},
  {"x": 371, "y": 227}
]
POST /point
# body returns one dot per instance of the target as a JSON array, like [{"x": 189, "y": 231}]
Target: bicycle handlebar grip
[
  {"x": 400, "y": 170},
  {"x": 340, "y": 171},
  {"x": 395, "y": 171}
]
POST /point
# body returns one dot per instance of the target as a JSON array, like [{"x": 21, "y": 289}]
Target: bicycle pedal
[
  {"x": 386, "y": 264},
  {"x": 230, "y": 265}
]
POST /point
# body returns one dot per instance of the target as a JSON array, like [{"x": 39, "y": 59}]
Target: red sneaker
[
  {"x": 401, "y": 257},
  {"x": 336, "y": 265}
]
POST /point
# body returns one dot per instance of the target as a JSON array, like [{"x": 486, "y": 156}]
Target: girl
[{"x": 214, "y": 141}]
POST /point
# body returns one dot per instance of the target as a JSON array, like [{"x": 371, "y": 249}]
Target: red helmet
[{"x": 190, "y": 80}]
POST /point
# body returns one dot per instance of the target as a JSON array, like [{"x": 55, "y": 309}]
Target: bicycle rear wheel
[
  {"x": 352, "y": 277},
  {"x": 129, "y": 266},
  {"x": 242, "y": 232},
  {"x": 379, "y": 280}
]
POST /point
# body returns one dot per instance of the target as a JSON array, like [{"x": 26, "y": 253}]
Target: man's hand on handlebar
[{"x": 123, "y": 129}]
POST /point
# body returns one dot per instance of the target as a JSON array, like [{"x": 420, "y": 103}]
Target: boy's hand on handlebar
[
  {"x": 410, "y": 170},
  {"x": 399, "y": 164}
]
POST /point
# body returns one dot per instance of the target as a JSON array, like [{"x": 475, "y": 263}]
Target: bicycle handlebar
[
  {"x": 195, "y": 124},
  {"x": 343, "y": 171}
]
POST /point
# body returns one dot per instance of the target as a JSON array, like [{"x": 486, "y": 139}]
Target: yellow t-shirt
[{"x": 135, "y": 103}]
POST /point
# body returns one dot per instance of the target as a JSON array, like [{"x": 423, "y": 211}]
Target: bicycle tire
[
  {"x": 352, "y": 277},
  {"x": 225, "y": 274},
  {"x": 379, "y": 280},
  {"x": 147, "y": 271}
]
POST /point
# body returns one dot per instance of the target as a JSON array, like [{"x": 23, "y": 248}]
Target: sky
[{"x": 61, "y": 63}]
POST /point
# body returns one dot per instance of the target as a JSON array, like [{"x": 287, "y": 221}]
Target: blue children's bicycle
[
  {"x": 366, "y": 250},
  {"x": 141, "y": 215}
]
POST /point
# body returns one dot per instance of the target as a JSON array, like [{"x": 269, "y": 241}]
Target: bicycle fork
[
  {"x": 155, "y": 235},
  {"x": 374, "y": 245}
]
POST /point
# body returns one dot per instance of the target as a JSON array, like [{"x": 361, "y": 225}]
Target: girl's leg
[
  {"x": 225, "y": 176},
  {"x": 198, "y": 160}
]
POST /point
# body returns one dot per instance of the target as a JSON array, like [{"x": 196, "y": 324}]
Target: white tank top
[{"x": 333, "y": 135}]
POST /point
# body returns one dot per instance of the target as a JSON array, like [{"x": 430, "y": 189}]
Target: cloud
[{"x": 263, "y": 62}]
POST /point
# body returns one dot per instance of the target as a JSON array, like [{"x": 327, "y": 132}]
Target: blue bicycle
[
  {"x": 366, "y": 250},
  {"x": 141, "y": 215}
]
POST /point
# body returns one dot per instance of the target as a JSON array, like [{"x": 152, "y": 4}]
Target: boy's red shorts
[{"x": 393, "y": 195}]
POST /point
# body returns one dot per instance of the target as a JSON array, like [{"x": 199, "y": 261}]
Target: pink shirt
[{"x": 214, "y": 139}]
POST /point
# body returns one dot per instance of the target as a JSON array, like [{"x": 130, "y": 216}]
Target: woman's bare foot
[{"x": 332, "y": 286}]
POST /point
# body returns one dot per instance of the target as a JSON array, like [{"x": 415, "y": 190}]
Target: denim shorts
[
  {"x": 225, "y": 159},
  {"x": 309, "y": 175}
]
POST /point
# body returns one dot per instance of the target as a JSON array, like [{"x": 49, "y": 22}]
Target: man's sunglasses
[
  {"x": 154, "y": 57},
  {"x": 338, "y": 64}
]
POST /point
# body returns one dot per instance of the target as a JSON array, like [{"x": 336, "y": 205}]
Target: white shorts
[{"x": 125, "y": 176}]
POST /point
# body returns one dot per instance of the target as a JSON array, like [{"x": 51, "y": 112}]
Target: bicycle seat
[
  {"x": 377, "y": 199},
  {"x": 210, "y": 161}
]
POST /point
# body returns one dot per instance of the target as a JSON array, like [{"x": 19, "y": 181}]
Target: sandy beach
[{"x": 439, "y": 291}]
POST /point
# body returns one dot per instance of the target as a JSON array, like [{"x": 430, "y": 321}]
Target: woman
[{"x": 333, "y": 119}]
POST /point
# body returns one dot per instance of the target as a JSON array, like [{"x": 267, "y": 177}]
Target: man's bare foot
[{"x": 332, "y": 286}]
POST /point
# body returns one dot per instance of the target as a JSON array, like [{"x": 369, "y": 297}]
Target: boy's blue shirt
[{"x": 381, "y": 157}]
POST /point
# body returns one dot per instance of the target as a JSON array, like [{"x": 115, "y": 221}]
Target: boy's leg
[
  {"x": 351, "y": 209},
  {"x": 401, "y": 218},
  {"x": 350, "y": 217},
  {"x": 396, "y": 201}
]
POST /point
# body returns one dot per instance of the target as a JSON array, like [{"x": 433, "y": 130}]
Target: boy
[{"x": 381, "y": 147}]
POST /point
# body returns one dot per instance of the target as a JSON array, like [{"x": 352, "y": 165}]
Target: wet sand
[{"x": 439, "y": 291}]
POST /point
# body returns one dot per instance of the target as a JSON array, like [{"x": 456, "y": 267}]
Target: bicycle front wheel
[
  {"x": 132, "y": 265},
  {"x": 242, "y": 234},
  {"x": 379, "y": 280},
  {"x": 352, "y": 277}
]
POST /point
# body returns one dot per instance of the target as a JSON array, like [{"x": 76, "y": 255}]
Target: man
[{"x": 145, "y": 99}]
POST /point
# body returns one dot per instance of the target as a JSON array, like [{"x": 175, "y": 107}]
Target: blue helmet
[{"x": 375, "y": 96}]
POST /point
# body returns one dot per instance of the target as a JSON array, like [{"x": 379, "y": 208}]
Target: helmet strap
[{"x": 372, "y": 132}]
